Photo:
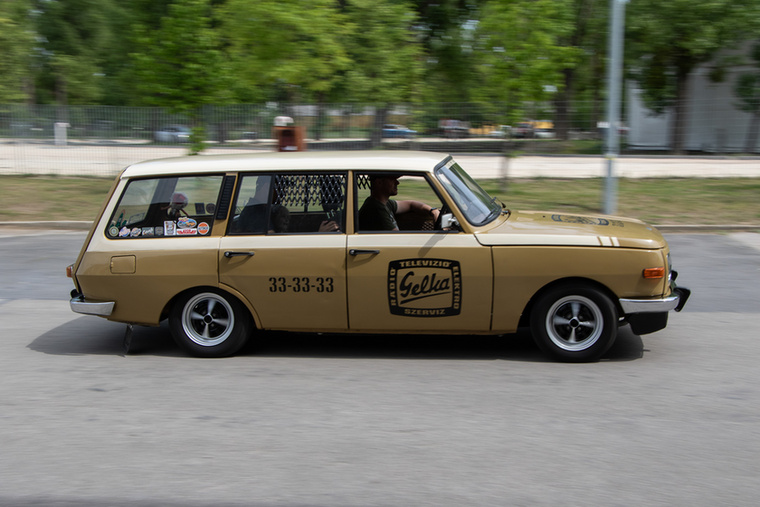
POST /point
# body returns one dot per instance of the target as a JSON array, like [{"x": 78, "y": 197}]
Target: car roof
[{"x": 385, "y": 161}]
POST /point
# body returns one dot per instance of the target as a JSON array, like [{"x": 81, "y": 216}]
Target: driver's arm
[{"x": 417, "y": 207}]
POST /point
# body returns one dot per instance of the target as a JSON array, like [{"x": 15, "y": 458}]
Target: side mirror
[{"x": 448, "y": 221}]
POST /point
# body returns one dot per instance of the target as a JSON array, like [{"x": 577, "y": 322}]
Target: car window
[
  {"x": 174, "y": 206},
  {"x": 478, "y": 207},
  {"x": 411, "y": 187},
  {"x": 290, "y": 203}
]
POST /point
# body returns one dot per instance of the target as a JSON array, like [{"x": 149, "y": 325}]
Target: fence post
[{"x": 59, "y": 128}]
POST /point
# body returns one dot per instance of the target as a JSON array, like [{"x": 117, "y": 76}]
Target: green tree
[
  {"x": 747, "y": 90},
  {"x": 180, "y": 65},
  {"x": 446, "y": 31},
  {"x": 588, "y": 34},
  {"x": 522, "y": 50},
  {"x": 386, "y": 54},
  {"x": 16, "y": 39},
  {"x": 285, "y": 49},
  {"x": 666, "y": 41},
  {"x": 77, "y": 39}
]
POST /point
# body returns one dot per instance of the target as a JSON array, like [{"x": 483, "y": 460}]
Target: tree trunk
[
  {"x": 376, "y": 136},
  {"x": 680, "y": 119},
  {"x": 754, "y": 129},
  {"x": 321, "y": 119},
  {"x": 562, "y": 106}
]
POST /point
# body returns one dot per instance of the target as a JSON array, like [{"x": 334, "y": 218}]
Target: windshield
[{"x": 478, "y": 207}]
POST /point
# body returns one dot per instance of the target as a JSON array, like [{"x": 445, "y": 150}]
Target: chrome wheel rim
[
  {"x": 207, "y": 319},
  {"x": 574, "y": 323}
]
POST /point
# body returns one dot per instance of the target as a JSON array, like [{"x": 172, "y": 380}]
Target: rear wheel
[
  {"x": 210, "y": 323},
  {"x": 574, "y": 324}
]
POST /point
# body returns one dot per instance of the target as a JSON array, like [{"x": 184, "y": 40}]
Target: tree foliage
[
  {"x": 385, "y": 52},
  {"x": 521, "y": 55},
  {"x": 666, "y": 41},
  {"x": 180, "y": 65},
  {"x": 16, "y": 39},
  {"x": 446, "y": 30},
  {"x": 77, "y": 41},
  {"x": 183, "y": 54},
  {"x": 285, "y": 49}
]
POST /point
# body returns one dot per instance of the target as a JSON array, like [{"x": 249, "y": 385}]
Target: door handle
[
  {"x": 229, "y": 254},
  {"x": 354, "y": 251}
]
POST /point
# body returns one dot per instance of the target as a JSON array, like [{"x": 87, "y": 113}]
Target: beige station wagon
[{"x": 361, "y": 242}]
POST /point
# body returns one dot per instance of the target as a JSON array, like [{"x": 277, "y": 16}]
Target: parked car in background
[
  {"x": 223, "y": 246},
  {"x": 502, "y": 132},
  {"x": 542, "y": 133},
  {"x": 523, "y": 130},
  {"x": 602, "y": 127},
  {"x": 391, "y": 130},
  {"x": 454, "y": 129},
  {"x": 172, "y": 134}
]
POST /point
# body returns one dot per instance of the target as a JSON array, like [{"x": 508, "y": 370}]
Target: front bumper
[
  {"x": 676, "y": 301},
  {"x": 99, "y": 308},
  {"x": 649, "y": 315}
]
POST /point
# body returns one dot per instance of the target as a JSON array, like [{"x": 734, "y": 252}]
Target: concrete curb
[
  {"x": 73, "y": 225},
  {"x": 708, "y": 228},
  {"x": 64, "y": 225}
]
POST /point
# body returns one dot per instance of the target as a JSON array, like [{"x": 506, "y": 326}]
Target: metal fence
[{"x": 101, "y": 140}]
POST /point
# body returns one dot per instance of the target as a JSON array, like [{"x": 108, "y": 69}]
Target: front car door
[{"x": 416, "y": 279}]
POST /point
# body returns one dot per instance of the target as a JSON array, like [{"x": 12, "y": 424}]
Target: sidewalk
[
  {"x": 108, "y": 159},
  {"x": 492, "y": 166}
]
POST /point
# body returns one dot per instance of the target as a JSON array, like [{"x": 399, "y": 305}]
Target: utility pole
[{"x": 614, "y": 85}]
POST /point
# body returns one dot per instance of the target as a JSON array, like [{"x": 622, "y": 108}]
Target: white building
[{"x": 714, "y": 124}]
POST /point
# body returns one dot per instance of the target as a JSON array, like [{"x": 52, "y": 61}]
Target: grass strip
[{"x": 679, "y": 201}]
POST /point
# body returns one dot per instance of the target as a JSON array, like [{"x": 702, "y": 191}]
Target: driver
[{"x": 378, "y": 213}]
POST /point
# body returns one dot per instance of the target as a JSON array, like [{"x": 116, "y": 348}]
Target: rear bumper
[{"x": 100, "y": 308}]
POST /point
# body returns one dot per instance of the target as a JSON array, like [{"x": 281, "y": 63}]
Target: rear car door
[{"x": 280, "y": 255}]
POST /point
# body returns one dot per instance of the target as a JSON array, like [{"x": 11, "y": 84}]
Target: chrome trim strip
[
  {"x": 650, "y": 305},
  {"x": 101, "y": 308}
]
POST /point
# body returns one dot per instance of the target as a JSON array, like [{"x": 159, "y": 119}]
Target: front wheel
[
  {"x": 574, "y": 324},
  {"x": 210, "y": 323}
]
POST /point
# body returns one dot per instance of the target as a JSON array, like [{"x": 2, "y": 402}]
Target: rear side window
[
  {"x": 160, "y": 207},
  {"x": 290, "y": 203}
]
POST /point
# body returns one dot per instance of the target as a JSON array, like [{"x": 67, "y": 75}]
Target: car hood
[{"x": 551, "y": 228}]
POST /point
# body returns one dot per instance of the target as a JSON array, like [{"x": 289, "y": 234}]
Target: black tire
[
  {"x": 210, "y": 323},
  {"x": 574, "y": 324}
]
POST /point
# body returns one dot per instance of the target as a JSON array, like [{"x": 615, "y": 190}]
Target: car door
[
  {"x": 292, "y": 274},
  {"x": 417, "y": 281}
]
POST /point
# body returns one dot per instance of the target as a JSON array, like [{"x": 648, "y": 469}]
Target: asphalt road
[{"x": 671, "y": 418}]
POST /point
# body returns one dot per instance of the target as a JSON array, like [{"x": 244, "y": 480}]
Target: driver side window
[{"x": 413, "y": 188}]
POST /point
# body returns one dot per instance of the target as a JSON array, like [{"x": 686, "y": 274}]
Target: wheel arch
[
  {"x": 567, "y": 282},
  {"x": 223, "y": 288}
]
